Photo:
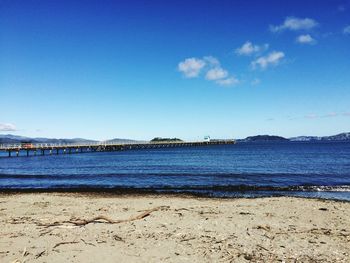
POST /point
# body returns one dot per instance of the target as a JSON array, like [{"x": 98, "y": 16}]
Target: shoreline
[
  {"x": 42, "y": 227},
  {"x": 127, "y": 192}
]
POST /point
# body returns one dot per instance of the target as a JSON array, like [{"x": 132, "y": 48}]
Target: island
[
  {"x": 160, "y": 139},
  {"x": 265, "y": 138}
]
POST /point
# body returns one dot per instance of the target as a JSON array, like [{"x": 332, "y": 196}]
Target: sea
[{"x": 256, "y": 169}]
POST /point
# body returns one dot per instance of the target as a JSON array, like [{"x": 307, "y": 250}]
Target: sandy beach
[{"x": 68, "y": 227}]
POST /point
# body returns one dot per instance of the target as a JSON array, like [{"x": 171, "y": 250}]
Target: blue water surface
[{"x": 308, "y": 169}]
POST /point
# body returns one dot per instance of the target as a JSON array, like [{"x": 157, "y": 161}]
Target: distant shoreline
[
  {"x": 12, "y": 139},
  {"x": 101, "y": 192}
]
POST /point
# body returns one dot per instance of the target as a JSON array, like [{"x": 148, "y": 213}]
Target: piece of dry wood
[
  {"x": 260, "y": 246},
  {"x": 64, "y": 243},
  {"x": 87, "y": 243},
  {"x": 266, "y": 228},
  {"x": 180, "y": 209},
  {"x": 80, "y": 222},
  {"x": 187, "y": 239},
  {"x": 118, "y": 238},
  {"x": 105, "y": 219},
  {"x": 25, "y": 253},
  {"x": 40, "y": 254}
]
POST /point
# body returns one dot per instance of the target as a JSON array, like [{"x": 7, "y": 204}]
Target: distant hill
[
  {"x": 339, "y": 137},
  {"x": 8, "y": 138},
  {"x": 272, "y": 138},
  {"x": 118, "y": 140},
  {"x": 345, "y": 136},
  {"x": 14, "y": 139},
  {"x": 264, "y": 138}
]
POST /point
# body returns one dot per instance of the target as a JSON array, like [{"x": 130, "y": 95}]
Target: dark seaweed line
[{"x": 213, "y": 188}]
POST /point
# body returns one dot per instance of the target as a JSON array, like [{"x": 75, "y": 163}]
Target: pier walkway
[{"x": 16, "y": 150}]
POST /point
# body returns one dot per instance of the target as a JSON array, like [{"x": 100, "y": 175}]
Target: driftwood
[
  {"x": 266, "y": 228},
  {"x": 87, "y": 243},
  {"x": 64, "y": 243},
  {"x": 260, "y": 246},
  {"x": 40, "y": 254},
  {"x": 105, "y": 219}
]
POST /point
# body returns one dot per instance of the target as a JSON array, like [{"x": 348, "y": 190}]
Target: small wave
[
  {"x": 170, "y": 174},
  {"x": 323, "y": 188},
  {"x": 212, "y": 188}
]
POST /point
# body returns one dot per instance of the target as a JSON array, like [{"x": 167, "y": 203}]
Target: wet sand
[{"x": 60, "y": 227}]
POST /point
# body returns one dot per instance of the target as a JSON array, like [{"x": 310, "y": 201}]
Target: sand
[{"x": 38, "y": 228}]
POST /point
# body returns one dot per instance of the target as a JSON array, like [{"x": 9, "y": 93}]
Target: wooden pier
[{"x": 16, "y": 150}]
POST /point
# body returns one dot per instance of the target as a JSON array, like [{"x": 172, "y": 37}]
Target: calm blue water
[{"x": 247, "y": 169}]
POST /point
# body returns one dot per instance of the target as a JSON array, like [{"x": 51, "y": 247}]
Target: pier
[{"x": 41, "y": 149}]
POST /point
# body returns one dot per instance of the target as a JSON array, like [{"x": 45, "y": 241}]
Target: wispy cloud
[
  {"x": 317, "y": 116},
  {"x": 341, "y": 8},
  {"x": 305, "y": 39},
  {"x": 231, "y": 81},
  {"x": 248, "y": 48},
  {"x": 210, "y": 66},
  {"x": 212, "y": 60},
  {"x": 346, "y": 30},
  {"x": 191, "y": 67},
  {"x": 311, "y": 116},
  {"x": 216, "y": 73},
  {"x": 7, "y": 127},
  {"x": 272, "y": 59},
  {"x": 330, "y": 115},
  {"x": 294, "y": 24}
]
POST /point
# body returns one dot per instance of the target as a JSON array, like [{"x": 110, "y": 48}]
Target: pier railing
[
  {"x": 60, "y": 145},
  {"x": 17, "y": 146}
]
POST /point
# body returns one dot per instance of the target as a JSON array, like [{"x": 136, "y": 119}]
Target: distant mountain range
[
  {"x": 264, "y": 138},
  {"x": 8, "y": 138},
  {"x": 339, "y": 137},
  {"x": 14, "y": 139},
  {"x": 269, "y": 138}
]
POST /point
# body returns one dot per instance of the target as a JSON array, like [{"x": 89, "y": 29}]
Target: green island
[{"x": 159, "y": 139}]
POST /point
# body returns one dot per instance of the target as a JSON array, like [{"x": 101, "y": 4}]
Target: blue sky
[{"x": 140, "y": 69}]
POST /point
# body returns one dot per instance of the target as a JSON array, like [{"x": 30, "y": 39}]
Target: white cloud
[
  {"x": 331, "y": 114},
  {"x": 305, "y": 39},
  {"x": 228, "y": 82},
  {"x": 328, "y": 115},
  {"x": 311, "y": 116},
  {"x": 191, "y": 67},
  {"x": 212, "y": 60},
  {"x": 216, "y": 73},
  {"x": 272, "y": 59},
  {"x": 346, "y": 30},
  {"x": 294, "y": 24},
  {"x": 7, "y": 127},
  {"x": 248, "y": 49}
]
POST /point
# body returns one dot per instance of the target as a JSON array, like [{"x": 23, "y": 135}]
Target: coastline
[
  {"x": 150, "y": 192},
  {"x": 180, "y": 228}
]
